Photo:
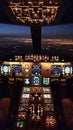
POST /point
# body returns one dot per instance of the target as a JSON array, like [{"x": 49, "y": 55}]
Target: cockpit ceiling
[{"x": 31, "y": 12}]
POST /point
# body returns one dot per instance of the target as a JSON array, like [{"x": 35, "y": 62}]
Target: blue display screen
[
  {"x": 67, "y": 70},
  {"x": 17, "y": 69},
  {"x": 5, "y": 69},
  {"x": 36, "y": 69},
  {"x": 56, "y": 70}
]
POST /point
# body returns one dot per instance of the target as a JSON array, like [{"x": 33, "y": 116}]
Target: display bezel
[
  {"x": 14, "y": 70},
  {"x": 56, "y": 70},
  {"x": 8, "y": 70},
  {"x": 36, "y": 81},
  {"x": 69, "y": 70}
]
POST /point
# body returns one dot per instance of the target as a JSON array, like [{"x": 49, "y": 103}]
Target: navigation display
[
  {"x": 17, "y": 69},
  {"x": 56, "y": 70}
]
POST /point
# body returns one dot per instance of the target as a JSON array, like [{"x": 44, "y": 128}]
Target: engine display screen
[{"x": 36, "y": 69}]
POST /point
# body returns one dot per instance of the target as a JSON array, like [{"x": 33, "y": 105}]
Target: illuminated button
[
  {"x": 26, "y": 70},
  {"x": 19, "y": 123}
]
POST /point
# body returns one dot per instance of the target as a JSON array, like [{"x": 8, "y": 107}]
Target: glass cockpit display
[
  {"x": 17, "y": 69},
  {"x": 36, "y": 80},
  {"x": 46, "y": 81},
  {"x": 5, "y": 69},
  {"x": 36, "y": 69},
  {"x": 67, "y": 70},
  {"x": 56, "y": 70}
]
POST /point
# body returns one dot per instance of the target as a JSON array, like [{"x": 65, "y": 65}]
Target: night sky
[
  {"x": 57, "y": 31},
  {"x": 8, "y": 29}
]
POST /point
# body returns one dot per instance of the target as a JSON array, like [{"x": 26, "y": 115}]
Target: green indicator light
[
  {"x": 17, "y": 123},
  {"x": 21, "y": 124}
]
